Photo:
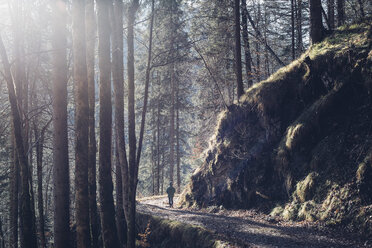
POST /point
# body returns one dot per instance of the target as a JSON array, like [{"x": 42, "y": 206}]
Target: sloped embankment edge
[{"x": 160, "y": 232}]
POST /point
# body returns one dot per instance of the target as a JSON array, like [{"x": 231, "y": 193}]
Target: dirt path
[{"x": 251, "y": 229}]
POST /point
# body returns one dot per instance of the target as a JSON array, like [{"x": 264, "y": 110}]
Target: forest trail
[{"x": 248, "y": 228}]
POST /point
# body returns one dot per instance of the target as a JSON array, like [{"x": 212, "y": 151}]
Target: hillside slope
[{"x": 299, "y": 143}]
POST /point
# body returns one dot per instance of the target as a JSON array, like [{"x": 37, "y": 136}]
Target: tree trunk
[
  {"x": 172, "y": 122},
  {"x": 324, "y": 14},
  {"x": 28, "y": 232},
  {"x": 46, "y": 191},
  {"x": 147, "y": 83},
  {"x": 158, "y": 147},
  {"x": 293, "y": 30},
  {"x": 316, "y": 25},
  {"x": 39, "y": 159},
  {"x": 178, "y": 153},
  {"x": 109, "y": 230},
  {"x": 118, "y": 82},
  {"x": 162, "y": 172},
  {"x": 258, "y": 47},
  {"x": 81, "y": 124},
  {"x": 21, "y": 91},
  {"x": 361, "y": 8},
  {"x": 60, "y": 143},
  {"x": 132, "y": 163},
  {"x": 266, "y": 54},
  {"x": 39, "y": 165},
  {"x": 238, "y": 51},
  {"x": 172, "y": 91},
  {"x": 120, "y": 217},
  {"x": 299, "y": 27},
  {"x": 13, "y": 211},
  {"x": 153, "y": 161},
  {"x": 340, "y": 12},
  {"x": 92, "y": 149},
  {"x": 331, "y": 13},
  {"x": 2, "y": 237},
  {"x": 247, "y": 52}
]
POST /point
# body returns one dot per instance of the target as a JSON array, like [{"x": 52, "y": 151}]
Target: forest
[{"x": 256, "y": 113}]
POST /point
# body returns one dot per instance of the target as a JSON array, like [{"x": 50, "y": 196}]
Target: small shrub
[{"x": 143, "y": 242}]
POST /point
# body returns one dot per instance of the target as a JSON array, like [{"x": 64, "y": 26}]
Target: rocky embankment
[{"x": 298, "y": 144}]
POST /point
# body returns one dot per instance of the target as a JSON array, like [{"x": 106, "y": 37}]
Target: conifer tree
[
  {"x": 108, "y": 224},
  {"x": 61, "y": 189}
]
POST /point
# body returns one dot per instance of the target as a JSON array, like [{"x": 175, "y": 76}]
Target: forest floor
[{"x": 249, "y": 228}]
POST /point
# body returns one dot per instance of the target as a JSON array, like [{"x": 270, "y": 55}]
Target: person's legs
[{"x": 171, "y": 201}]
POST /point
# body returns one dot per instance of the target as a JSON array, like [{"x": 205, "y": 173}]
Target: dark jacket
[{"x": 170, "y": 191}]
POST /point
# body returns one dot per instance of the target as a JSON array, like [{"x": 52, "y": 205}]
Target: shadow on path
[{"x": 248, "y": 232}]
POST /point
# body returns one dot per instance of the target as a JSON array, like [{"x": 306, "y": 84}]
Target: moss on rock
[
  {"x": 364, "y": 179},
  {"x": 305, "y": 189}
]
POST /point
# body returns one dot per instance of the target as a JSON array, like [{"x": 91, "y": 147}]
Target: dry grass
[{"x": 345, "y": 38}]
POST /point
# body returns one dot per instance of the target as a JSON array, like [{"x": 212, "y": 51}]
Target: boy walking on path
[{"x": 170, "y": 192}]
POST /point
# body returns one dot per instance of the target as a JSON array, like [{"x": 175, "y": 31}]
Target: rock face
[{"x": 301, "y": 140}]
